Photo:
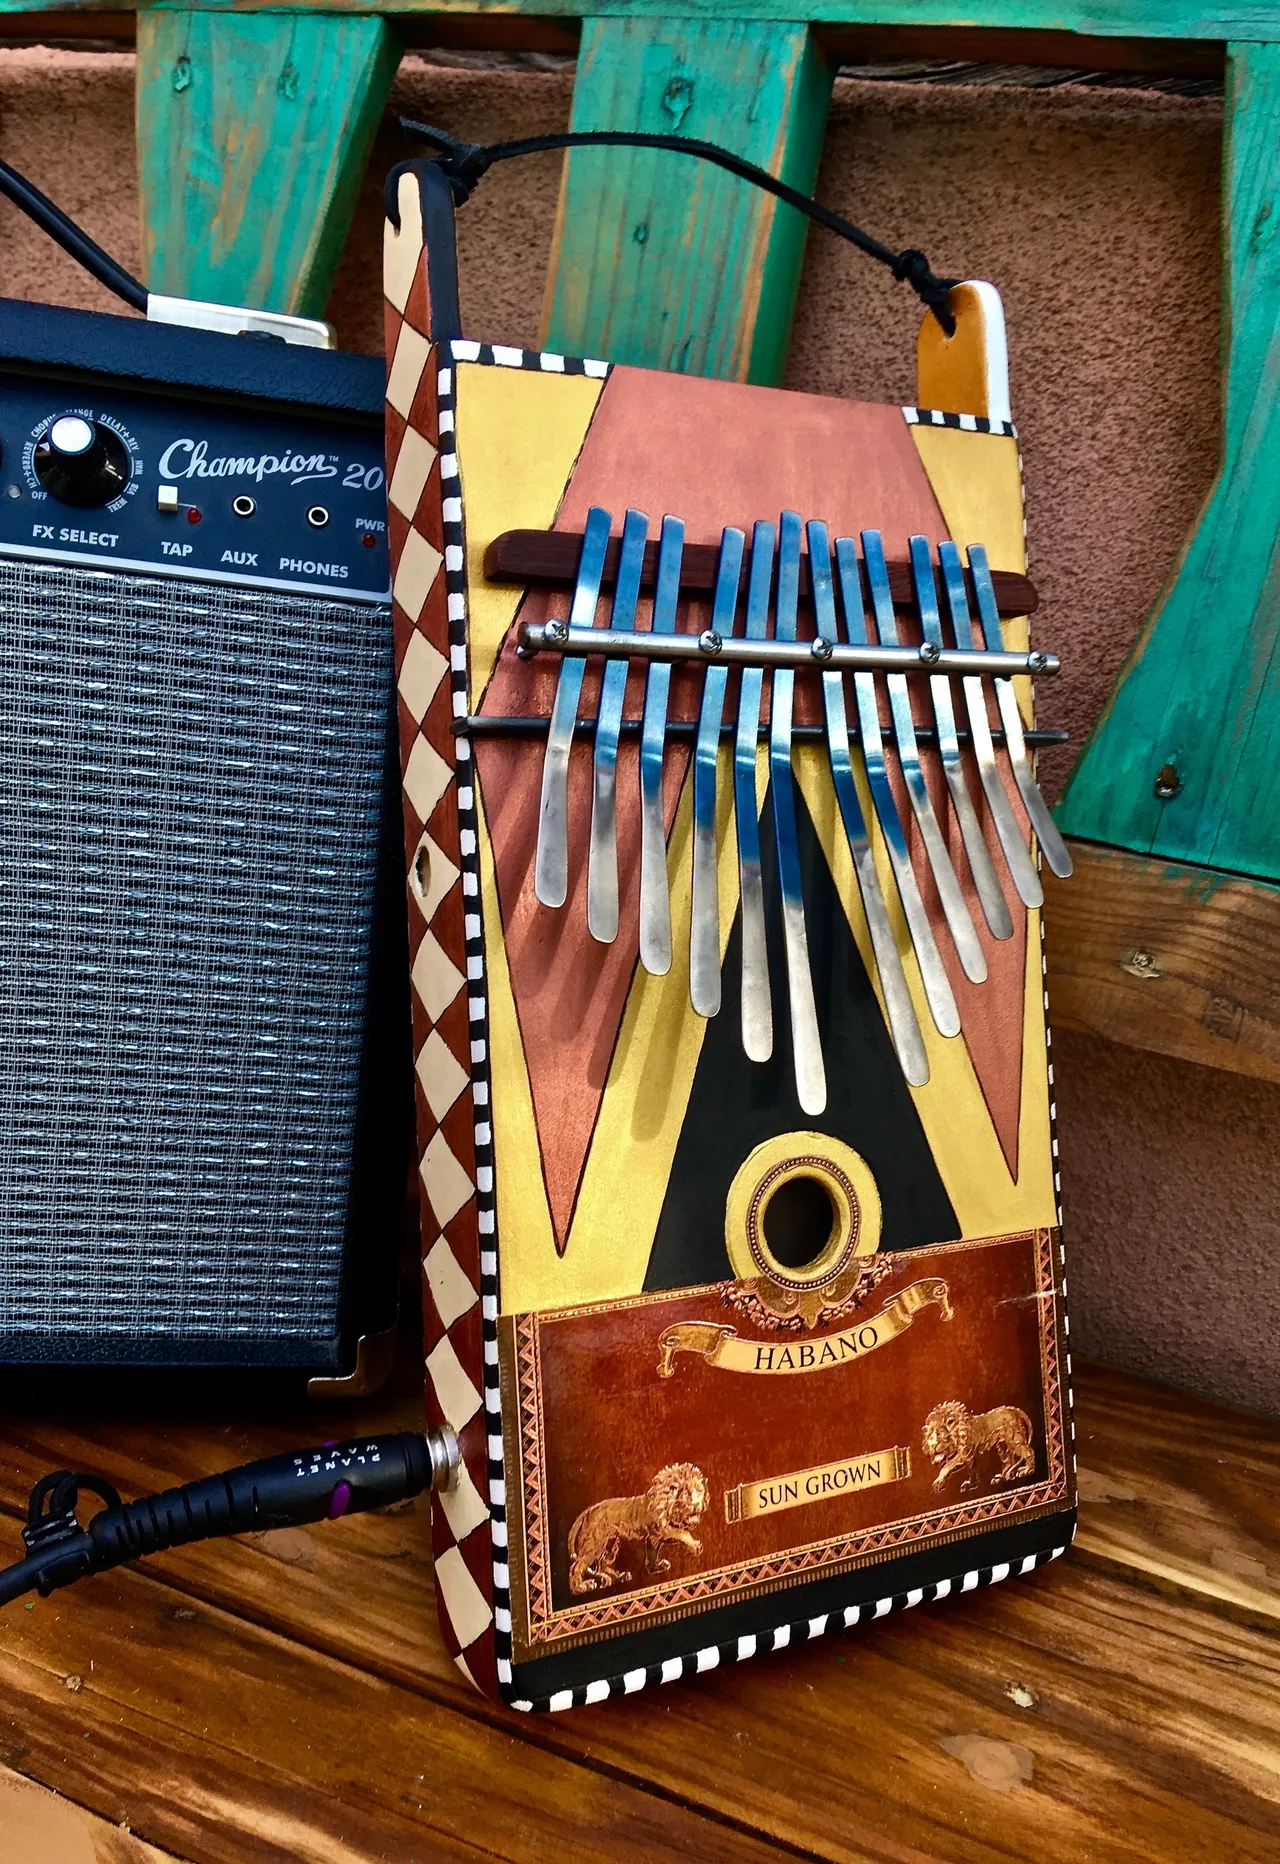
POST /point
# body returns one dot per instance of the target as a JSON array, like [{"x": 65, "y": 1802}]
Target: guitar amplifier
[{"x": 204, "y": 1068}]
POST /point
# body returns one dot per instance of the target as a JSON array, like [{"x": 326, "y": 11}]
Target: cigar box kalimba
[{"x": 743, "y": 1274}]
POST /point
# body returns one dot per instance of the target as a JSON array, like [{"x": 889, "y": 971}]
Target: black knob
[{"x": 81, "y": 462}]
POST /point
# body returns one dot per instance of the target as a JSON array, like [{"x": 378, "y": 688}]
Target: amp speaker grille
[{"x": 190, "y": 799}]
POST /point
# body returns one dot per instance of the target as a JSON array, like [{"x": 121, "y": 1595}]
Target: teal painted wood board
[
  {"x": 670, "y": 263},
  {"x": 1200, "y": 695},
  {"x": 253, "y": 135},
  {"x": 1245, "y": 20}
]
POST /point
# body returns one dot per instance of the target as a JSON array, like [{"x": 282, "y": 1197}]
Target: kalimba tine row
[{"x": 773, "y": 588}]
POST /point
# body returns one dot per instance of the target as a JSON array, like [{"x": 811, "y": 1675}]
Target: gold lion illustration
[
  {"x": 955, "y": 1438},
  {"x": 674, "y": 1502}
]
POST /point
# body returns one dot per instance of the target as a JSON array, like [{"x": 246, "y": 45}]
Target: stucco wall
[{"x": 1097, "y": 215}]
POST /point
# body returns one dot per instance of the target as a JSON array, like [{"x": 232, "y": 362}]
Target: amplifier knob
[{"x": 81, "y": 462}]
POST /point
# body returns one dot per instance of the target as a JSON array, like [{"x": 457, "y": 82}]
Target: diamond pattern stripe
[
  {"x": 441, "y": 1075},
  {"x": 450, "y": 1021},
  {"x": 426, "y": 777},
  {"x": 451, "y": 1291},
  {"x": 464, "y": 1601},
  {"x": 441, "y": 1021},
  {"x": 447, "y": 1183},
  {"x": 432, "y": 876},
  {"x": 421, "y": 672},
  {"x": 464, "y": 1506},
  {"x": 415, "y": 574},
  {"x": 456, "y": 1395},
  {"x": 406, "y": 369},
  {"x": 413, "y": 464},
  {"x": 436, "y": 978}
]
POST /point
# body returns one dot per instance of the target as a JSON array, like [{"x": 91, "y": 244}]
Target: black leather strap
[{"x": 463, "y": 165}]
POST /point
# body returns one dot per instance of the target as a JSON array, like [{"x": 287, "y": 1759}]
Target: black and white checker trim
[
  {"x": 967, "y": 423},
  {"x": 547, "y": 361},
  {"x": 500, "y": 356},
  {"x": 735, "y": 1650}
]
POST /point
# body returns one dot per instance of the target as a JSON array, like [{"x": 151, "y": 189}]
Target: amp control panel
[{"x": 192, "y": 488}]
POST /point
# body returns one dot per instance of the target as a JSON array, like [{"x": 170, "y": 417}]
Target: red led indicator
[
  {"x": 368, "y": 540},
  {"x": 194, "y": 514}
]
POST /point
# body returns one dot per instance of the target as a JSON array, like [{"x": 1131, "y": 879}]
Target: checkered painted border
[
  {"x": 545, "y": 361},
  {"x": 967, "y": 423},
  {"x": 737, "y": 1649},
  {"x": 1053, "y": 1102},
  {"x": 450, "y": 1011},
  {"x": 452, "y": 1049}
]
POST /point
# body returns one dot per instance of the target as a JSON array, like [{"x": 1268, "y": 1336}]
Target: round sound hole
[
  {"x": 801, "y": 1207},
  {"x": 799, "y": 1222}
]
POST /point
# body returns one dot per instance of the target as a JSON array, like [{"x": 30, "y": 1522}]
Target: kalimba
[{"x": 741, "y": 1229}]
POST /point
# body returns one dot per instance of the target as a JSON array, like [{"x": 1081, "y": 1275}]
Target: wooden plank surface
[
  {"x": 1247, "y": 20},
  {"x": 856, "y": 44},
  {"x": 666, "y": 262},
  {"x": 253, "y": 135},
  {"x": 1165, "y": 956},
  {"x": 40, "y": 1827},
  {"x": 1181, "y": 1496},
  {"x": 289, "y": 1689}
]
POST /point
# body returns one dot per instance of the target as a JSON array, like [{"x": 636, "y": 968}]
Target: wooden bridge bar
[
  {"x": 666, "y": 262},
  {"x": 253, "y": 135},
  {"x": 1201, "y": 692}
]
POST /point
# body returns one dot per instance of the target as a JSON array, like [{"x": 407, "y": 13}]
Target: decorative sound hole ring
[
  {"x": 842, "y": 1238},
  {"x": 825, "y": 1278}
]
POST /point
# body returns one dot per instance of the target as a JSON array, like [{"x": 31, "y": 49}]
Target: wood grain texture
[
  {"x": 1201, "y": 691},
  {"x": 1165, "y": 956},
  {"x": 666, "y": 262},
  {"x": 1191, "y": 1507},
  {"x": 552, "y": 557},
  {"x": 1248, "y": 20},
  {"x": 40, "y": 1827},
  {"x": 253, "y": 136},
  {"x": 228, "y": 1743},
  {"x": 280, "y": 1697}
]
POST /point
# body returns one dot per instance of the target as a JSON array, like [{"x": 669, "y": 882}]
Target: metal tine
[
  {"x": 806, "y": 1043},
  {"x": 655, "y": 891},
  {"x": 933, "y": 973},
  {"x": 975, "y": 846},
  {"x": 1052, "y": 845},
  {"x": 903, "y": 1026},
  {"x": 956, "y": 912},
  {"x": 602, "y": 858},
  {"x": 551, "y": 864},
  {"x": 704, "y": 925},
  {"x": 1016, "y": 852},
  {"x": 757, "y": 1009}
]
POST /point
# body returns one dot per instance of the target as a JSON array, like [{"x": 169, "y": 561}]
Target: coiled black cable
[{"x": 320, "y": 1484}]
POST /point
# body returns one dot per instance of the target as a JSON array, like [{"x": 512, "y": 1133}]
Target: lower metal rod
[{"x": 530, "y": 725}]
